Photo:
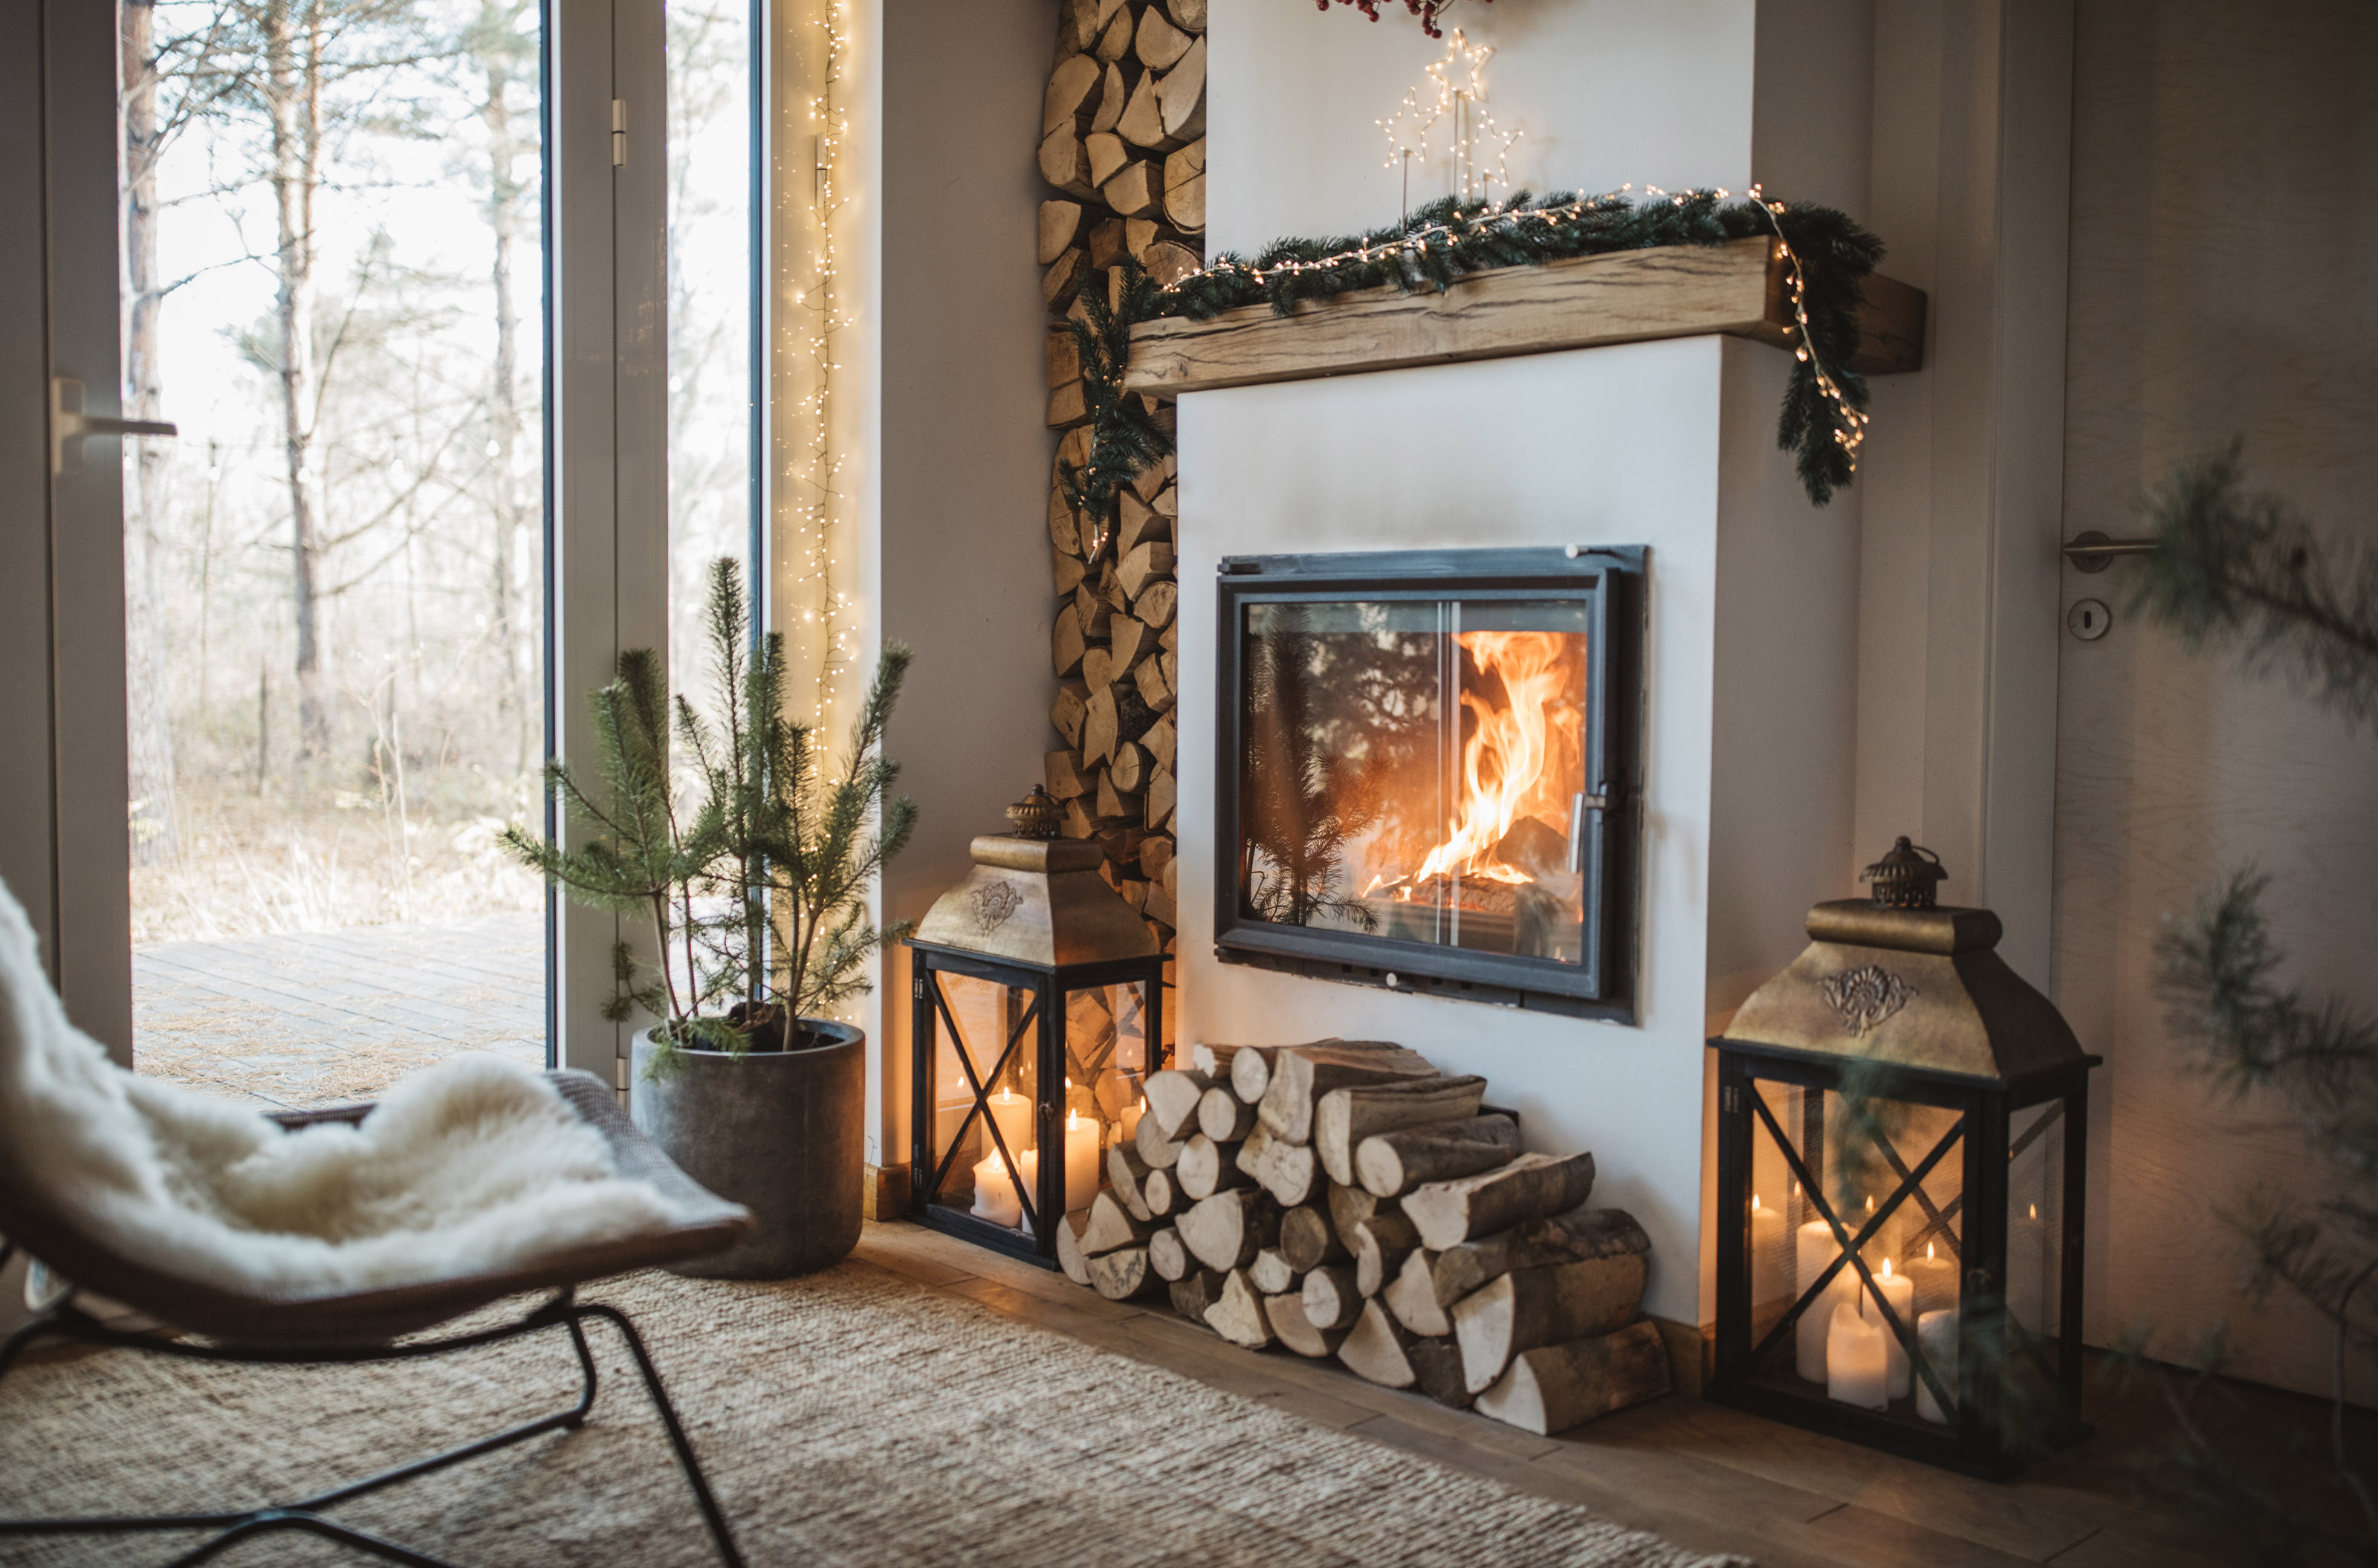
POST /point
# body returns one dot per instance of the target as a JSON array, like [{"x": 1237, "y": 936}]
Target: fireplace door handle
[{"x": 1579, "y": 805}]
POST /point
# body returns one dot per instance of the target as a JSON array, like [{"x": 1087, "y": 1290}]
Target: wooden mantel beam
[{"x": 1626, "y": 296}]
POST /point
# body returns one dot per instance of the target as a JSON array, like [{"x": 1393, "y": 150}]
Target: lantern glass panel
[
  {"x": 1895, "y": 1165},
  {"x": 994, "y": 1051},
  {"x": 2034, "y": 1281}
]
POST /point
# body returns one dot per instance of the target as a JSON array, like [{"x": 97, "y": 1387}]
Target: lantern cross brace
[
  {"x": 1942, "y": 1218},
  {"x": 981, "y": 1085},
  {"x": 1902, "y": 1332}
]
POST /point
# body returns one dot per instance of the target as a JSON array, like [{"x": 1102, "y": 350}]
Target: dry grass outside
[{"x": 326, "y": 857}]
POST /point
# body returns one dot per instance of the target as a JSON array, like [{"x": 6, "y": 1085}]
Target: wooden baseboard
[
  {"x": 886, "y": 1189},
  {"x": 1688, "y": 1355}
]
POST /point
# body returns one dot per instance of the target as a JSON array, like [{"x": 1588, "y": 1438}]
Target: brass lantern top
[
  {"x": 1033, "y": 898},
  {"x": 1901, "y": 981}
]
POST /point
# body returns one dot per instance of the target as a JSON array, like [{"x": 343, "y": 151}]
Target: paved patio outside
[{"x": 324, "y": 1018}]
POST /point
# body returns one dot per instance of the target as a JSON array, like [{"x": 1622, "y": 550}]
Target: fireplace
[{"x": 1427, "y": 773}]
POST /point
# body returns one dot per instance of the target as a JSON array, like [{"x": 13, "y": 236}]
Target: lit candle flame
[
  {"x": 1928, "y": 1249},
  {"x": 1754, "y": 1202}
]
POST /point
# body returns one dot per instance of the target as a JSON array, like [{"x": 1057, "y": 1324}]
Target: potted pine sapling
[{"x": 753, "y": 889}]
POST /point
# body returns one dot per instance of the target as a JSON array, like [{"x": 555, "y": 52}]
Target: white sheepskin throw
[{"x": 472, "y": 1167}]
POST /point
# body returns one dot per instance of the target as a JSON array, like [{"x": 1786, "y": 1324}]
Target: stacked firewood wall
[
  {"x": 1344, "y": 1199},
  {"x": 1122, "y": 130}
]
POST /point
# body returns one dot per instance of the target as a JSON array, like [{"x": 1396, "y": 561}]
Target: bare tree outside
[{"x": 333, "y": 278}]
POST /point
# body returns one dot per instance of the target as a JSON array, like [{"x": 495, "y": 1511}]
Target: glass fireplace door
[{"x": 1422, "y": 778}]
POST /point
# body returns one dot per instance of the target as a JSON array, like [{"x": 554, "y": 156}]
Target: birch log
[
  {"x": 1345, "y": 1117},
  {"x": 1537, "y": 1307},
  {"x": 1195, "y": 1292},
  {"x": 1161, "y": 1152},
  {"x": 1448, "y": 1213},
  {"x": 1172, "y": 1098},
  {"x": 1226, "y": 1230},
  {"x": 1380, "y": 1244},
  {"x": 1437, "y": 1371},
  {"x": 1069, "y": 1247},
  {"x": 1579, "y": 1236},
  {"x": 1167, "y": 1256},
  {"x": 1298, "y": 1332},
  {"x": 1330, "y": 1298},
  {"x": 1308, "y": 1238},
  {"x": 1110, "y": 1226},
  {"x": 1223, "y": 1116},
  {"x": 1375, "y": 1349},
  {"x": 1288, "y": 1171},
  {"x": 1554, "y": 1387},
  {"x": 1238, "y": 1316},
  {"x": 1411, "y": 1297},
  {"x": 1121, "y": 1274},
  {"x": 1271, "y": 1274},
  {"x": 1126, "y": 1173},
  {"x": 1302, "y": 1074},
  {"x": 1391, "y": 1164},
  {"x": 1208, "y": 1168}
]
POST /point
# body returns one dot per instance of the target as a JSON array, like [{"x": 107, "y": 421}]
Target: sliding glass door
[{"x": 452, "y": 310}]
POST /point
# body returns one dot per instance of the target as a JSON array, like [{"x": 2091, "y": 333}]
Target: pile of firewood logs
[
  {"x": 1345, "y": 1199},
  {"x": 1122, "y": 137}
]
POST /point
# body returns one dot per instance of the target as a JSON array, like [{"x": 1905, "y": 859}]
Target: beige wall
[
  {"x": 959, "y": 552},
  {"x": 2224, "y": 282}
]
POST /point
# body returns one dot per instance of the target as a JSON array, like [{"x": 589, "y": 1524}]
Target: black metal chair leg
[
  {"x": 46, "y": 1326},
  {"x": 686, "y": 1461},
  {"x": 64, "y": 1323},
  {"x": 279, "y": 1519}
]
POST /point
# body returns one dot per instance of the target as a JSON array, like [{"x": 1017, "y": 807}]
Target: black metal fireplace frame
[{"x": 1611, "y": 580}]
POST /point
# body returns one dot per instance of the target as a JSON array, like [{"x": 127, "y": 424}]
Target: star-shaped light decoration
[{"x": 1454, "y": 97}]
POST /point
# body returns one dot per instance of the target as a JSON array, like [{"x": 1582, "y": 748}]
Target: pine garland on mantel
[{"x": 1830, "y": 253}]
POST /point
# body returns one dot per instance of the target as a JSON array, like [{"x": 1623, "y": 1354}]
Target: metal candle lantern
[
  {"x": 1039, "y": 1012},
  {"x": 1901, "y": 1129}
]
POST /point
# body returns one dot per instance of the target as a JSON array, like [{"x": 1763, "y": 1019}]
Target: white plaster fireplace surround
[{"x": 1752, "y": 756}]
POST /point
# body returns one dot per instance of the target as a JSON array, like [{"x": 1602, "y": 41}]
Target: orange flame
[{"x": 1504, "y": 764}]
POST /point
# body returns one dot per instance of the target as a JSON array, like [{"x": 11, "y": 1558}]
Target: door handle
[{"x": 68, "y": 424}]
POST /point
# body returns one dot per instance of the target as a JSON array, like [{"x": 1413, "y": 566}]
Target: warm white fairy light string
[
  {"x": 812, "y": 610},
  {"x": 1464, "y": 105},
  {"x": 1849, "y": 428}
]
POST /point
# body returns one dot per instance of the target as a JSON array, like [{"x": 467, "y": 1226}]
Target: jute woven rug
[{"x": 851, "y": 1418}]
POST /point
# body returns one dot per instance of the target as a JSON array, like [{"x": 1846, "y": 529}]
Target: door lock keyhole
[{"x": 2089, "y": 619}]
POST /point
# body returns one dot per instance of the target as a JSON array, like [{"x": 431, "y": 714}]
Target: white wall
[
  {"x": 1335, "y": 465},
  {"x": 1752, "y": 672},
  {"x": 960, "y": 552}
]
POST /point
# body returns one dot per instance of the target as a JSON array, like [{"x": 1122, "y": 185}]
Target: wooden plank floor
[{"x": 1706, "y": 1477}]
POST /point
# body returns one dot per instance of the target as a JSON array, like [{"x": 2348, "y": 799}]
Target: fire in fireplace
[{"x": 1426, "y": 769}]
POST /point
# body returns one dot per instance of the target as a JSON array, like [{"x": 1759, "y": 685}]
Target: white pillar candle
[
  {"x": 994, "y": 1192},
  {"x": 1815, "y": 1248},
  {"x": 1936, "y": 1281},
  {"x": 1936, "y": 1336},
  {"x": 1131, "y": 1115},
  {"x": 1857, "y": 1367},
  {"x": 1013, "y": 1114},
  {"x": 1900, "y": 1292},
  {"x": 1771, "y": 1265},
  {"x": 1081, "y": 1160},
  {"x": 2026, "y": 1272}
]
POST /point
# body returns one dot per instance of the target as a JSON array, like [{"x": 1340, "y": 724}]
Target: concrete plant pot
[{"x": 777, "y": 1131}]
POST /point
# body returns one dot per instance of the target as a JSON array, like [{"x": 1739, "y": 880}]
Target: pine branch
[{"x": 2243, "y": 570}]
